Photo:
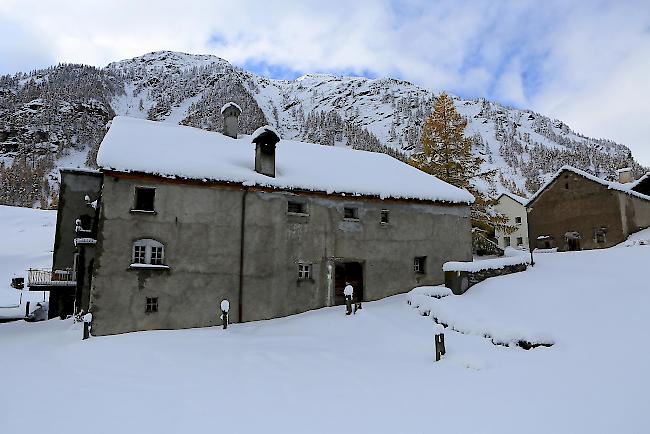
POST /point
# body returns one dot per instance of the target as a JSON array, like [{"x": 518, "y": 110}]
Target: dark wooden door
[{"x": 351, "y": 272}]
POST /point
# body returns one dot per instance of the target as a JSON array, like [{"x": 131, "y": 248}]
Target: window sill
[
  {"x": 298, "y": 214},
  {"x": 148, "y": 267},
  {"x": 347, "y": 219},
  {"x": 142, "y": 211}
]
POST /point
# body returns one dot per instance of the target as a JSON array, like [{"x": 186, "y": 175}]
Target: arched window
[{"x": 148, "y": 251}]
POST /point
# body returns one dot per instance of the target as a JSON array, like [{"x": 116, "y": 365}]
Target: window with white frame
[
  {"x": 304, "y": 270},
  {"x": 148, "y": 251}
]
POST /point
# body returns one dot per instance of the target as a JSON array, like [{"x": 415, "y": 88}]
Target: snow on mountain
[{"x": 54, "y": 115}]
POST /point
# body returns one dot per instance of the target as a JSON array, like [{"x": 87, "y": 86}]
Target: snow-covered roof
[
  {"x": 141, "y": 146},
  {"x": 230, "y": 104},
  {"x": 519, "y": 199},
  {"x": 624, "y": 188}
]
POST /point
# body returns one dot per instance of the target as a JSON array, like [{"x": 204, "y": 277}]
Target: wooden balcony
[{"x": 47, "y": 280}]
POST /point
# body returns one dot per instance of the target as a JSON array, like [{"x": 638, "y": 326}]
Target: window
[
  {"x": 144, "y": 198},
  {"x": 351, "y": 213},
  {"x": 600, "y": 236},
  {"x": 506, "y": 241},
  {"x": 419, "y": 264},
  {"x": 139, "y": 254},
  {"x": 518, "y": 220},
  {"x": 520, "y": 241},
  {"x": 304, "y": 270},
  {"x": 384, "y": 218},
  {"x": 151, "y": 305},
  {"x": 566, "y": 185},
  {"x": 294, "y": 207},
  {"x": 148, "y": 251}
]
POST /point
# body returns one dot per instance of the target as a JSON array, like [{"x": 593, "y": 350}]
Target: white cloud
[{"x": 583, "y": 62}]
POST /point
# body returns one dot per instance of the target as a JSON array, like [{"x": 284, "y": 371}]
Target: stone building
[
  {"x": 576, "y": 210},
  {"x": 514, "y": 208},
  {"x": 188, "y": 218}
]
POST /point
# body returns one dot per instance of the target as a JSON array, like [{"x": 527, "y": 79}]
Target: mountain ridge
[{"x": 56, "y": 116}]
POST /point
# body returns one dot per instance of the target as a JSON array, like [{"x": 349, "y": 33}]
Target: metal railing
[{"x": 38, "y": 277}]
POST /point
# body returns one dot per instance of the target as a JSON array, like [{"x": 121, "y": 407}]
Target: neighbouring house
[
  {"x": 575, "y": 210},
  {"x": 514, "y": 208},
  {"x": 188, "y": 218}
]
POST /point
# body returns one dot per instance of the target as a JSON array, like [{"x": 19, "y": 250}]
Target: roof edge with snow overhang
[{"x": 623, "y": 188}]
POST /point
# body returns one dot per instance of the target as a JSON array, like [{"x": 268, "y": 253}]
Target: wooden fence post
[{"x": 439, "y": 341}]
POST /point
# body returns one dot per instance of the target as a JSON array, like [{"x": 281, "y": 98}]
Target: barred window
[
  {"x": 148, "y": 251},
  {"x": 384, "y": 217},
  {"x": 304, "y": 270}
]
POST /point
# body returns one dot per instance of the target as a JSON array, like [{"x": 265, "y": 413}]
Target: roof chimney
[
  {"x": 625, "y": 175},
  {"x": 265, "y": 139},
  {"x": 230, "y": 112}
]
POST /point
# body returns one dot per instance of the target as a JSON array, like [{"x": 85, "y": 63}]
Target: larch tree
[{"x": 447, "y": 154}]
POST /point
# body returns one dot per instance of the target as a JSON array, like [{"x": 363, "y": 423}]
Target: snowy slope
[
  {"x": 323, "y": 372},
  {"x": 26, "y": 240}
]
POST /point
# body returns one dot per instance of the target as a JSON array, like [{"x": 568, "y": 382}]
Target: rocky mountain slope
[{"x": 57, "y": 116}]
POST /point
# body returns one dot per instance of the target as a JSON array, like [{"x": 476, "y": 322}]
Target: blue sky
[{"x": 585, "y": 62}]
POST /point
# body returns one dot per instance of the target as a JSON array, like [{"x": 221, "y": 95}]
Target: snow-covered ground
[
  {"x": 369, "y": 373},
  {"x": 26, "y": 241}
]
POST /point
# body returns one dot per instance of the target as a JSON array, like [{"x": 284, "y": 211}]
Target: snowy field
[
  {"x": 370, "y": 373},
  {"x": 26, "y": 240}
]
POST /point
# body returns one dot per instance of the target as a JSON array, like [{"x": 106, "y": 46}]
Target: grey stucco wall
[{"x": 200, "y": 228}]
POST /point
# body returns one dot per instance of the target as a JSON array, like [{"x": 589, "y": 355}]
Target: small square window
[
  {"x": 139, "y": 254},
  {"x": 351, "y": 213},
  {"x": 517, "y": 220},
  {"x": 151, "y": 305},
  {"x": 144, "y": 198},
  {"x": 384, "y": 217},
  {"x": 506, "y": 241},
  {"x": 304, "y": 270},
  {"x": 419, "y": 264},
  {"x": 520, "y": 241},
  {"x": 296, "y": 207},
  {"x": 600, "y": 236}
]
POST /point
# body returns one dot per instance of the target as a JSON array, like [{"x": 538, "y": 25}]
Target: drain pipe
[{"x": 242, "y": 236}]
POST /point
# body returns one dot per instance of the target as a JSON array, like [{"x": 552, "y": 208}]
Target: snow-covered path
[{"x": 324, "y": 372}]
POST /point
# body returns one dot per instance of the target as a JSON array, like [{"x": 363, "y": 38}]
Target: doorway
[
  {"x": 572, "y": 241},
  {"x": 351, "y": 272}
]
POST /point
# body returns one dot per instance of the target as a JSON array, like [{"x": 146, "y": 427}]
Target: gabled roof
[
  {"x": 141, "y": 146},
  {"x": 522, "y": 200},
  {"x": 624, "y": 188}
]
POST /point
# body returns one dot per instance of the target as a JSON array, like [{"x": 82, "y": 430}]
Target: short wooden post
[
  {"x": 86, "y": 331},
  {"x": 27, "y": 309},
  {"x": 439, "y": 341}
]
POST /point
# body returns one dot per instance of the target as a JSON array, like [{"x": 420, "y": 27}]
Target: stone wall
[{"x": 460, "y": 281}]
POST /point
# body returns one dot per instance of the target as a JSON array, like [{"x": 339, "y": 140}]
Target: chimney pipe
[
  {"x": 230, "y": 112},
  {"x": 265, "y": 139},
  {"x": 625, "y": 175}
]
